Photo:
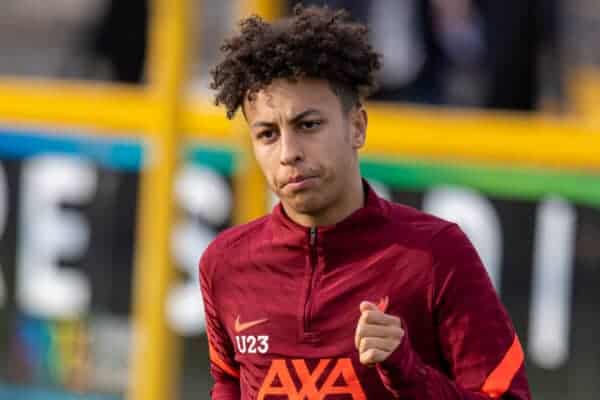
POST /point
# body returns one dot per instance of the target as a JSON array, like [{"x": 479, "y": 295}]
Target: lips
[
  {"x": 298, "y": 178},
  {"x": 299, "y": 181}
]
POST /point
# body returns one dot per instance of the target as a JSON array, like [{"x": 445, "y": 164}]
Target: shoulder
[
  {"x": 228, "y": 242},
  {"x": 417, "y": 228},
  {"x": 439, "y": 237},
  {"x": 451, "y": 253},
  {"x": 237, "y": 235}
]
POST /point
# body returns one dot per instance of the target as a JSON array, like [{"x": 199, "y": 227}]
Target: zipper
[
  {"x": 313, "y": 266},
  {"x": 313, "y": 237}
]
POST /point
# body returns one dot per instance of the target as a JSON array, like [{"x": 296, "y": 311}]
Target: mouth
[{"x": 299, "y": 182}]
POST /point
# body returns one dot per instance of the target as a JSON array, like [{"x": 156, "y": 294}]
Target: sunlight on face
[{"x": 305, "y": 143}]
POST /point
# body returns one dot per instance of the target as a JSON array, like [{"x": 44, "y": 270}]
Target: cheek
[
  {"x": 337, "y": 151},
  {"x": 268, "y": 162}
]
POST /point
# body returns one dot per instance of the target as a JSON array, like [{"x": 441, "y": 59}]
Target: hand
[{"x": 377, "y": 334}]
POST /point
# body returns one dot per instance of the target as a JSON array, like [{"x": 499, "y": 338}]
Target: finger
[
  {"x": 379, "y": 331},
  {"x": 373, "y": 356},
  {"x": 357, "y": 335},
  {"x": 384, "y": 321},
  {"x": 385, "y": 344},
  {"x": 379, "y": 318},
  {"x": 367, "y": 305}
]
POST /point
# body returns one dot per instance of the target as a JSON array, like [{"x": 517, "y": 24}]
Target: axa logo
[{"x": 341, "y": 380}]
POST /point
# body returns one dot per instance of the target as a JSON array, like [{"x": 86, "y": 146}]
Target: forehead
[{"x": 283, "y": 98}]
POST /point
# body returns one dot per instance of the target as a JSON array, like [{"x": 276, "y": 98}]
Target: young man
[{"x": 339, "y": 294}]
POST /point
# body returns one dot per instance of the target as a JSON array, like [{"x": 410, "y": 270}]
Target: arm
[
  {"x": 223, "y": 367},
  {"x": 478, "y": 341}
]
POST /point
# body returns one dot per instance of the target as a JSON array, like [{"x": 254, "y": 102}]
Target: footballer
[{"x": 338, "y": 293}]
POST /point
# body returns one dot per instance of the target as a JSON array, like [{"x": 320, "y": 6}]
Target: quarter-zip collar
[{"x": 373, "y": 213}]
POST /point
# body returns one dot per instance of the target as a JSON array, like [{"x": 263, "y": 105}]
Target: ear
[{"x": 358, "y": 126}]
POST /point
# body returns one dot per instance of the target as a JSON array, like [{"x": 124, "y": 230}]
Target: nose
[{"x": 291, "y": 151}]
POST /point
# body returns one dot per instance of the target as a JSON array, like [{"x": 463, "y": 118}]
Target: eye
[
  {"x": 310, "y": 125},
  {"x": 268, "y": 135}
]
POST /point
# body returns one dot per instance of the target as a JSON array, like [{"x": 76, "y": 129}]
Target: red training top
[{"x": 282, "y": 305}]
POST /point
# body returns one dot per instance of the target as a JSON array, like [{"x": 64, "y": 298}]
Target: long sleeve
[
  {"x": 480, "y": 347},
  {"x": 223, "y": 367}
]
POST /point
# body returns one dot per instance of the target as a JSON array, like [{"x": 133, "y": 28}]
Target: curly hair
[{"x": 315, "y": 42}]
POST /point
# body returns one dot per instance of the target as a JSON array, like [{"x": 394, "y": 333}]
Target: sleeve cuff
[{"x": 403, "y": 368}]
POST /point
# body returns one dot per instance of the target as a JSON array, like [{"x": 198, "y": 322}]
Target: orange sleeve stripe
[
  {"x": 218, "y": 361},
  {"x": 498, "y": 382}
]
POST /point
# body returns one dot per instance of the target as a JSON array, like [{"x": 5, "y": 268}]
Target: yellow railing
[
  {"x": 116, "y": 109},
  {"x": 164, "y": 117},
  {"x": 529, "y": 140}
]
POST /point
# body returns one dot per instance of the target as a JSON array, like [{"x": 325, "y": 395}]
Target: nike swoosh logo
[
  {"x": 383, "y": 303},
  {"x": 240, "y": 327}
]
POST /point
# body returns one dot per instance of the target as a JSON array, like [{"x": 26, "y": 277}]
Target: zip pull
[{"x": 313, "y": 235}]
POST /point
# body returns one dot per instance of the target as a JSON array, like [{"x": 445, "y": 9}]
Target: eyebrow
[{"x": 294, "y": 120}]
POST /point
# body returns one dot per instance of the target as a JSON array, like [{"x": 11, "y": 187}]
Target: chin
[{"x": 306, "y": 203}]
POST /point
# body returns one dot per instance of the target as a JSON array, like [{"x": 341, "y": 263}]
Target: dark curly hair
[{"x": 315, "y": 42}]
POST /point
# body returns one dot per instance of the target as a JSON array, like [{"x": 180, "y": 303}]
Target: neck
[{"x": 352, "y": 199}]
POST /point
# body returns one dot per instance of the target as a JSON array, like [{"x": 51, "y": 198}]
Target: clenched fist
[{"x": 377, "y": 334}]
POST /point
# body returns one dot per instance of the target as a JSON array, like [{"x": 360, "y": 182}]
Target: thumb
[{"x": 367, "y": 306}]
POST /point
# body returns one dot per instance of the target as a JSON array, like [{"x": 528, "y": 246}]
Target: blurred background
[{"x": 116, "y": 171}]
